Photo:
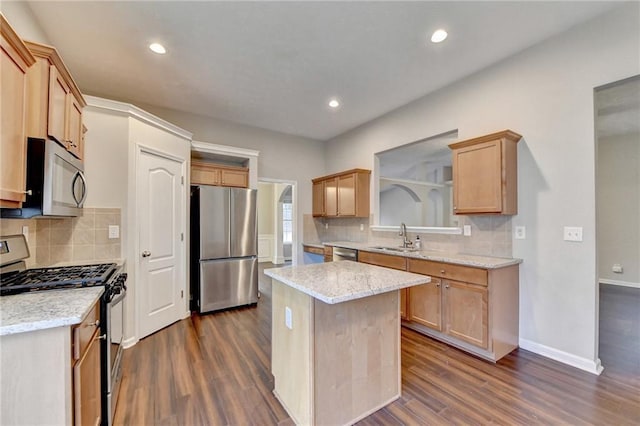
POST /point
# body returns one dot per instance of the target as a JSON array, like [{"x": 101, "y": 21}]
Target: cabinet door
[
  {"x": 86, "y": 386},
  {"x": 74, "y": 127},
  {"x": 236, "y": 178},
  {"x": 58, "y": 91},
  {"x": 13, "y": 142},
  {"x": 347, "y": 195},
  {"x": 404, "y": 307},
  {"x": 477, "y": 178},
  {"x": 426, "y": 304},
  {"x": 318, "y": 199},
  {"x": 204, "y": 174},
  {"x": 331, "y": 197},
  {"x": 466, "y": 312}
]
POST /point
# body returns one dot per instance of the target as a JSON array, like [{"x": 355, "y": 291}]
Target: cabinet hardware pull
[
  {"x": 442, "y": 271},
  {"x": 94, "y": 324},
  {"x": 102, "y": 337},
  {"x": 28, "y": 192},
  {"x": 446, "y": 286},
  {"x": 437, "y": 284}
]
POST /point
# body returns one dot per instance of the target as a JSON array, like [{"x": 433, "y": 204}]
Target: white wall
[
  {"x": 23, "y": 21},
  {"x": 619, "y": 207},
  {"x": 546, "y": 94}
]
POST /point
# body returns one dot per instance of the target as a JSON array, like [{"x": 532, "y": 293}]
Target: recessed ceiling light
[
  {"x": 438, "y": 36},
  {"x": 157, "y": 48},
  {"x": 333, "y": 103}
]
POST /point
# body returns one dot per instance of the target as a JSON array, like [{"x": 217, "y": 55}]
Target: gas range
[
  {"x": 56, "y": 278},
  {"x": 15, "y": 278}
]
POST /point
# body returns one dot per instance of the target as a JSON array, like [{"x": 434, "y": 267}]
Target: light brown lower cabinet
[
  {"x": 474, "y": 309},
  {"x": 86, "y": 370},
  {"x": 426, "y": 304}
]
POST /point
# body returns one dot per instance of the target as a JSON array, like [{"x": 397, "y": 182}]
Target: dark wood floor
[{"x": 215, "y": 370}]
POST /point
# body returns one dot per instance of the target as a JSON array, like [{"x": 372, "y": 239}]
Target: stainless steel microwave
[{"x": 56, "y": 185}]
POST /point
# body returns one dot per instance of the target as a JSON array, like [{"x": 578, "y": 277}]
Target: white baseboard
[
  {"x": 620, "y": 283},
  {"x": 127, "y": 343},
  {"x": 593, "y": 367}
]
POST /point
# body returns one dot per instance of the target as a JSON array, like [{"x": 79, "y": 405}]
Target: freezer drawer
[{"x": 227, "y": 283}]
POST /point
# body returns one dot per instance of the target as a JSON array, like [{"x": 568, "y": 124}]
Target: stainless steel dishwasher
[{"x": 341, "y": 253}]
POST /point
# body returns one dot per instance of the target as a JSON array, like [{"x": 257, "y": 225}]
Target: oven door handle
[{"x": 117, "y": 299}]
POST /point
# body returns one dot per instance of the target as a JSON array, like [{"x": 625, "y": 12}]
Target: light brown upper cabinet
[
  {"x": 204, "y": 173},
  {"x": 344, "y": 194},
  {"x": 485, "y": 174},
  {"x": 55, "y": 103},
  {"x": 14, "y": 64}
]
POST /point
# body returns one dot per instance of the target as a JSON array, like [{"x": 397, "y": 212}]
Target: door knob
[{"x": 146, "y": 253}]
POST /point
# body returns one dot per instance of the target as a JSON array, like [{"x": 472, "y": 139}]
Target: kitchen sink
[{"x": 398, "y": 249}]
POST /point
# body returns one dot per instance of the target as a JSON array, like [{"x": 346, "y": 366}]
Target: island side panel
[
  {"x": 291, "y": 352},
  {"x": 357, "y": 357}
]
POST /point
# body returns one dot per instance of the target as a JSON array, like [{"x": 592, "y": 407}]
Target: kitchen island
[{"x": 336, "y": 339}]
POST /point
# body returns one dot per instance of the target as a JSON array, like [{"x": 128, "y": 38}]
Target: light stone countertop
[
  {"x": 485, "y": 262},
  {"x": 336, "y": 282},
  {"x": 40, "y": 310}
]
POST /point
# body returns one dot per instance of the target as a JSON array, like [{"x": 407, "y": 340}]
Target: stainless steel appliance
[
  {"x": 15, "y": 279},
  {"x": 56, "y": 185},
  {"x": 341, "y": 253},
  {"x": 224, "y": 261}
]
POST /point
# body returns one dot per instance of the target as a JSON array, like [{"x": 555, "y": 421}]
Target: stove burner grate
[{"x": 57, "y": 277}]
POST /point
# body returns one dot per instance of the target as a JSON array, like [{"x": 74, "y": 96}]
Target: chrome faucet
[{"x": 406, "y": 242}]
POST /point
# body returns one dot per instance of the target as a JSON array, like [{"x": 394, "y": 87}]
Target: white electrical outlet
[
  {"x": 617, "y": 268},
  {"x": 326, "y": 226},
  {"x": 287, "y": 318},
  {"x": 362, "y": 226},
  {"x": 466, "y": 230},
  {"x": 114, "y": 231},
  {"x": 521, "y": 233},
  {"x": 25, "y": 232},
  {"x": 573, "y": 233}
]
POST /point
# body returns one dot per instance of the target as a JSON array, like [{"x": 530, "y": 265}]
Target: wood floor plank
[{"x": 216, "y": 370}]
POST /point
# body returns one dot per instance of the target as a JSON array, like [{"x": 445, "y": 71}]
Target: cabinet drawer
[
  {"x": 388, "y": 261},
  {"x": 314, "y": 250},
  {"x": 83, "y": 332},
  {"x": 448, "y": 271}
]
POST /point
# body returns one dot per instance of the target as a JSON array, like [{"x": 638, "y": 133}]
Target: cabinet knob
[
  {"x": 437, "y": 284},
  {"x": 442, "y": 271},
  {"x": 446, "y": 286}
]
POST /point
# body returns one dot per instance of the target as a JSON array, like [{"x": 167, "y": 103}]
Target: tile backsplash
[
  {"x": 490, "y": 235},
  {"x": 62, "y": 240}
]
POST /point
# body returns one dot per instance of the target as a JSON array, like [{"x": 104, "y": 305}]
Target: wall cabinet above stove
[
  {"x": 15, "y": 60},
  {"x": 55, "y": 103}
]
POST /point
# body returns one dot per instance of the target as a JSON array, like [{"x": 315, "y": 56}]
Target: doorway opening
[
  {"x": 277, "y": 221},
  {"x": 617, "y": 126}
]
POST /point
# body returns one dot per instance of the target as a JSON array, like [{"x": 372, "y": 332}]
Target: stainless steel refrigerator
[{"x": 224, "y": 248}]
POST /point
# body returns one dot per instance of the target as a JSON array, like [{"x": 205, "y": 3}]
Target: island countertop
[
  {"x": 336, "y": 282},
  {"x": 40, "y": 310}
]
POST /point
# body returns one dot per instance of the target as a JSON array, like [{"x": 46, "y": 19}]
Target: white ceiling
[{"x": 275, "y": 65}]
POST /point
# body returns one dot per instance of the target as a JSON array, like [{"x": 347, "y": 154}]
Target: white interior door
[{"x": 161, "y": 282}]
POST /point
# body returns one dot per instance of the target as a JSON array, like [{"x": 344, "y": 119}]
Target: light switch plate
[
  {"x": 114, "y": 231},
  {"x": 521, "y": 233},
  {"x": 466, "y": 230},
  {"x": 25, "y": 232},
  {"x": 573, "y": 233}
]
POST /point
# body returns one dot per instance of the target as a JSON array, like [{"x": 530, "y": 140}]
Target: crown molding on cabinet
[
  {"x": 233, "y": 151},
  {"x": 101, "y": 104}
]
